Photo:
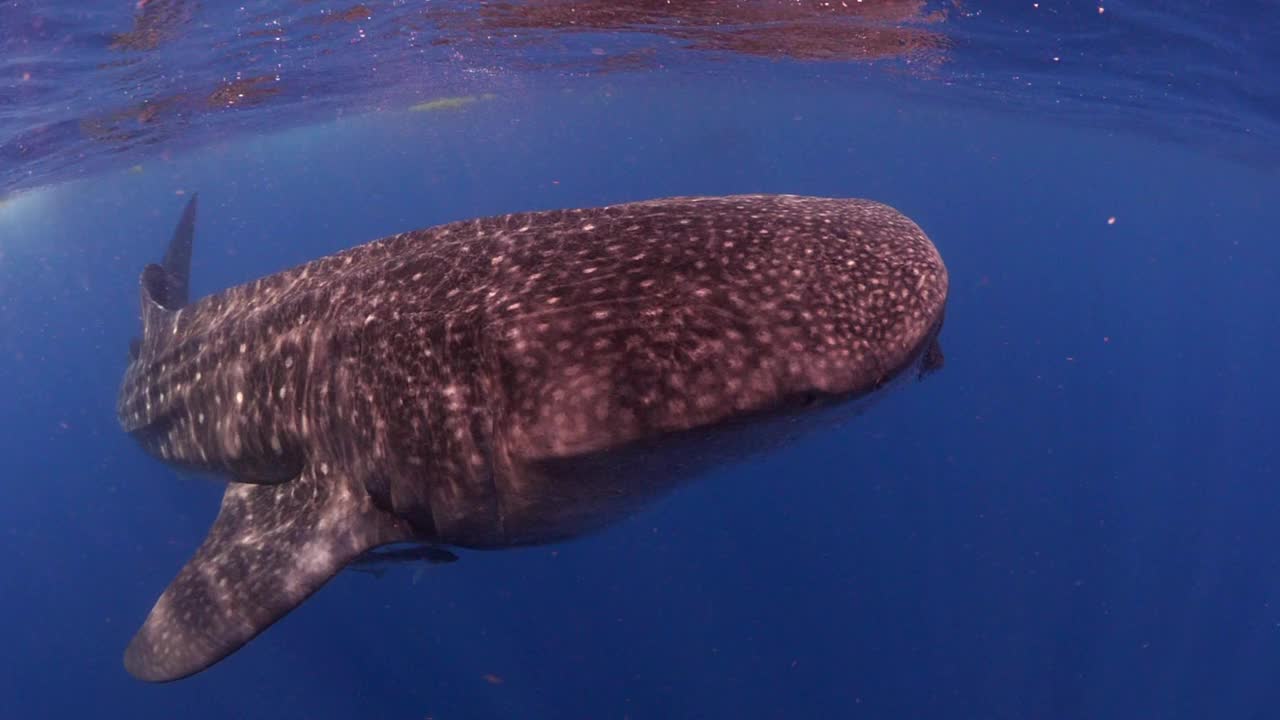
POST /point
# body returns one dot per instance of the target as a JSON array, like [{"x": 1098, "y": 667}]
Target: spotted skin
[
  {"x": 504, "y": 381},
  {"x": 234, "y": 585}
]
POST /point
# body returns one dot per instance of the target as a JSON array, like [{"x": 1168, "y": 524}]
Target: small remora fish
[
  {"x": 503, "y": 381},
  {"x": 375, "y": 562}
]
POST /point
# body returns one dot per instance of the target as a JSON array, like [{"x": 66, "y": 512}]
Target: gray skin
[{"x": 503, "y": 381}]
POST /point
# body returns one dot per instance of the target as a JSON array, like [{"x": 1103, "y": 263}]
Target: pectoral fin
[{"x": 269, "y": 549}]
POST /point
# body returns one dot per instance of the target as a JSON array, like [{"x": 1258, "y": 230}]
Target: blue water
[{"x": 1076, "y": 518}]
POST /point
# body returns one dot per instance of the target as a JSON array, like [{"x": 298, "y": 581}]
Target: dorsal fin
[
  {"x": 153, "y": 295},
  {"x": 270, "y": 548},
  {"x": 177, "y": 258},
  {"x": 166, "y": 287}
]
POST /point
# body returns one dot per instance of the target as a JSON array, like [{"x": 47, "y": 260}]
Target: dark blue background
[{"x": 1076, "y": 518}]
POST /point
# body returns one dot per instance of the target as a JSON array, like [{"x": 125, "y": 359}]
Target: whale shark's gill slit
[
  {"x": 270, "y": 548},
  {"x": 257, "y": 470}
]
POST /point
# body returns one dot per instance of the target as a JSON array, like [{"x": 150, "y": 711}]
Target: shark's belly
[{"x": 550, "y": 500}]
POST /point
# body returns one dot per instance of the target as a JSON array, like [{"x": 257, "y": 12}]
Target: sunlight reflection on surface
[{"x": 22, "y": 213}]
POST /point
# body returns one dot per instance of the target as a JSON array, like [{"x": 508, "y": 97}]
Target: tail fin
[{"x": 167, "y": 287}]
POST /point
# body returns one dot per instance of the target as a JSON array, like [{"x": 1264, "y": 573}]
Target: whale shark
[{"x": 503, "y": 381}]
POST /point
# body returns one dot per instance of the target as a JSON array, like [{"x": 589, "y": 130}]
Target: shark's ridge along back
[{"x": 503, "y": 381}]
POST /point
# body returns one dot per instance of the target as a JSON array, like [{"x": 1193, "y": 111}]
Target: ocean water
[{"x": 1077, "y": 517}]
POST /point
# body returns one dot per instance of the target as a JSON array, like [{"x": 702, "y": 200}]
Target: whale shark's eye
[{"x": 932, "y": 360}]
